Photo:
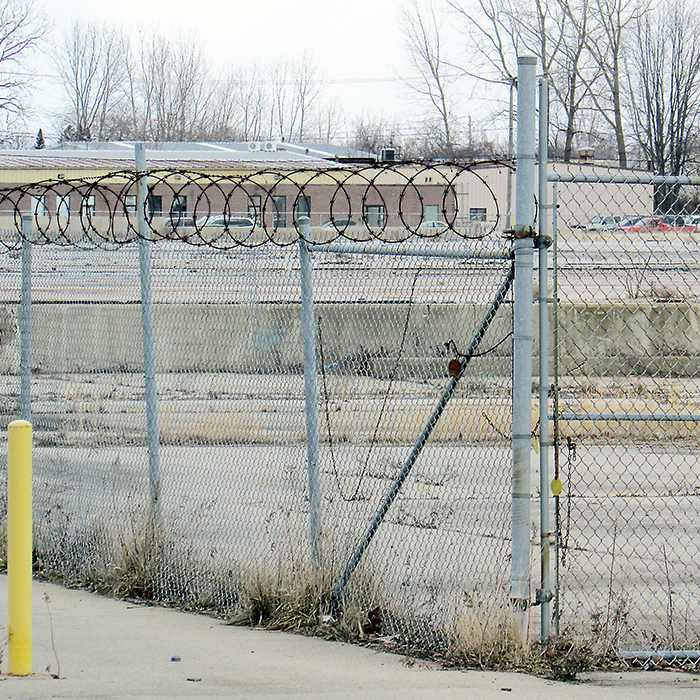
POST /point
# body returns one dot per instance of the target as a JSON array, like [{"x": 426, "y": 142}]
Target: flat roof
[{"x": 96, "y": 159}]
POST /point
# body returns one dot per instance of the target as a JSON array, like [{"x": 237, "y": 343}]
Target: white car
[
  {"x": 433, "y": 227},
  {"x": 602, "y": 223},
  {"x": 225, "y": 222}
]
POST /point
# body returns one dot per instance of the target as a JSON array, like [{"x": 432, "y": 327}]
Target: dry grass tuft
[
  {"x": 119, "y": 566},
  {"x": 131, "y": 571},
  {"x": 487, "y": 638},
  {"x": 296, "y": 600},
  {"x": 279, "y": 600}
]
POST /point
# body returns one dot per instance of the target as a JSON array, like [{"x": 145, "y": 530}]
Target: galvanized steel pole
[
  {"x": 149, "y": 353},
  {"x": 522, "y": 342},
  {"x": 509, "y": 173},
  {"x": 544, "y": 594},
  {"x": 308, "y": 326},
  {"x": 25, "y": 322}
]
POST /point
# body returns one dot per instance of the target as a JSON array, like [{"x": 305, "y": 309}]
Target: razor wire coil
[{"x": 248, "y": 205}]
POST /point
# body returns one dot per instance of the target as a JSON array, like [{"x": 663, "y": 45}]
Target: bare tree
[
  {"x": 555, "y": 31},
  {"x": 21, "y": 30},
  {"x": 606, "y": 44},
  {"x": 192, "y": 91},
  {"x": 329, "y": 121},
  {"x": 369, "y": 134},
  {"x": 241, "y": 104},
  {"x": 170, "y": 90},
  {"x": 90, "y": 64},
  {"x": 433, "y": 82},
  {"x": 254, "y": 102},
  {"x": 573, "y": 74},
  {"x": 161, "y": 88},
  {"x": 666, "y": 91},
  {"x": 293, "y": 91},
  {"x": 306, "y": 86},
  {"x": 279, "y": 99}
]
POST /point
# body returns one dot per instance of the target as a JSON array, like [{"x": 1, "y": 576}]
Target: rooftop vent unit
[
  {"x": 387, "y": 155},
  {"x": 265, "y": 146},
  {"x": 586, "y": 155}
]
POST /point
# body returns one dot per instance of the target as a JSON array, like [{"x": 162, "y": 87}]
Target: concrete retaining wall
[
  {"x": 597, "y": 340},
  {"x": 358, "y": 338}
]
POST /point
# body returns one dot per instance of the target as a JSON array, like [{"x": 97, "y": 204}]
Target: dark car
[{"x": 339, "y": 224}]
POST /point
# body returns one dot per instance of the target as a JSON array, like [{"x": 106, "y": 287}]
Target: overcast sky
[{"x": 357, "y": 44}]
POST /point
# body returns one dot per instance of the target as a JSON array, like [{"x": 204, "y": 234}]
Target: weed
[
  {"x": 297, "y": 601},
  {"x": 488, "y": 638},
  {"x": 486, "y": 633},
  {"x": 122, "y": 566},
  {"x": 3, "y": 547},
  {"x": 47, "y": 600},
  {"x": 145, "y": 564}
]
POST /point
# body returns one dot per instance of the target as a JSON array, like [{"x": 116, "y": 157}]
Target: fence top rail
[
  {"x": 624, "y": 179},
  {"x": 436, "y": 250},
  {"x": 650, "y": 417}
]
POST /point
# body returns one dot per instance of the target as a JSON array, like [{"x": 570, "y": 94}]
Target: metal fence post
[
  {"x": 522, "y": 342},
  {"x": 149, "y": 355},
  {"x": 555, "y": 402},
  {"x": 25, "y": 323},
  {"x": 308, "y": 327},
  {"x": 544, "y": 594}
]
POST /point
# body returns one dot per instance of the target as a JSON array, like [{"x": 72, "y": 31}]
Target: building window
[
  {"x": 63, "y": 206},
  {"x": 254, "y": 207},
  {"x": 279, "y": 213},
  {"x": 87, "y": 206},
  {"x": 178, "y": 210},
  {"x": 374, "y": 215},
  {"x": 154, "y": 205},
  {"x": 477, "y": 214},
  {"x": 432, "y": 212},
  {"x": 303, "y": 205},
  {"x": 39, "y": 207},
  {"x": 180, "y": 204}
]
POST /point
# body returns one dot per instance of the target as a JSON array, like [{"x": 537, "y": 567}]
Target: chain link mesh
[
  {"x": 627, "y": 408},
  {"x": 234, "y": 505}
]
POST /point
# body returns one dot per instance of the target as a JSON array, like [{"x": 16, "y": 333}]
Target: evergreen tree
[{"x": 40, "y": 143}]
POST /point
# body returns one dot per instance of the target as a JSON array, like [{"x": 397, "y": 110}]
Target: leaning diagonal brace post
[{"x": 420, "y": 443}]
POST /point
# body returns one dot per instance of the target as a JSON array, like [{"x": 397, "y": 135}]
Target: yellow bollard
[{"x": 19, "y": 547}]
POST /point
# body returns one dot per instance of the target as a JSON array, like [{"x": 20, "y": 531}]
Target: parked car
[
  {"x": 225, "y": 222},
  {"x": 628, "y": 221},
  {"x": 339, "y": 224},
  {"x": 661, "y": 224},
  {"x": 432, "y": 227},
  {"x": 600, "y": 223},
  {"x": 178, "y": 222}
]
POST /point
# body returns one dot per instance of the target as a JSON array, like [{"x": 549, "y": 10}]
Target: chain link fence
[
  {"x": 354, "y": 422},
  {"x": 626, "y": 408},
  {"x": 233, "y": 511}
]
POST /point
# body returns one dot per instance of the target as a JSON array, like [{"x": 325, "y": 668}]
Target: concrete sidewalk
[{"x": 112, "y": 649}]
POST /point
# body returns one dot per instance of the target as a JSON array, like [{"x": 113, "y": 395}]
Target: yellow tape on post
[{"x": 19, "y": 547}]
